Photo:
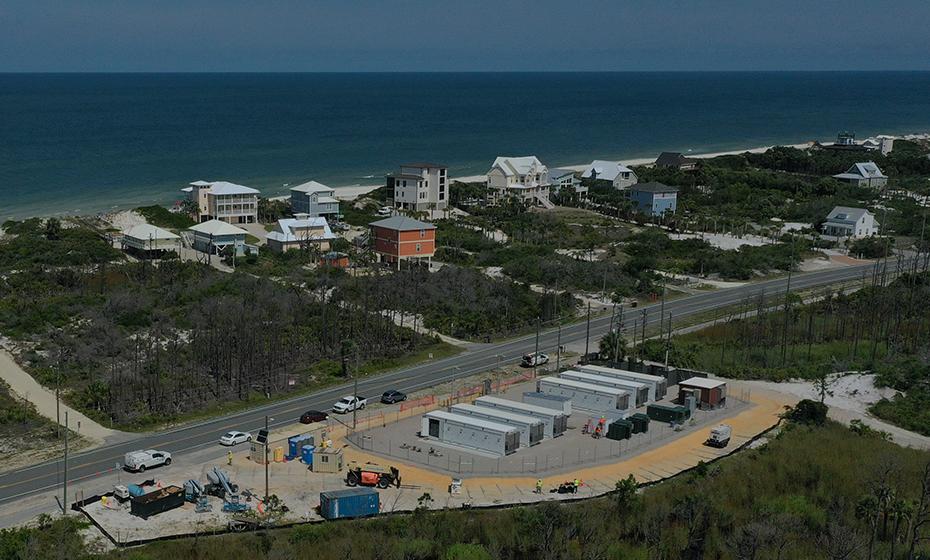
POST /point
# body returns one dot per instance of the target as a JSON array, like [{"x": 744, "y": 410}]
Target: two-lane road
[{"x": 480, "y": 357}]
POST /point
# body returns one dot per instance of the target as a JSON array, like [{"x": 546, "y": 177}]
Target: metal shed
[
  {"x": 555, "y": 422},
  {"x": 589, "y": 397},
  {"x": 471, "y": 432},
  {"x": 554, "y": 402},
  {"x": 532, "y": 429},
  {"x": 659, "y": 384},
  {"x": 639, "y": 390}
]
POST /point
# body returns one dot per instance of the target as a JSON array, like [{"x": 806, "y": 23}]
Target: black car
[
  {"x": 312, "y": 416},
  {"x": 392, "y": 396}
]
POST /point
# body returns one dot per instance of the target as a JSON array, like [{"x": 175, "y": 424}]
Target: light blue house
[
  {"x": 654, "y": 199},
  {"x": 316, "y": 200},
  {"x": 216, "y": 236}
]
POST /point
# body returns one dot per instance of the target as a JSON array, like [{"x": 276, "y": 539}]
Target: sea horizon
[{"x": 84, "y": 143}]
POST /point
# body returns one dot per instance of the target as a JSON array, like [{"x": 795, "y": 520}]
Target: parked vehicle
[
  {"x": 349, "y": 403},
  {"x": 719, "y": 436},
  {"x": 385, "y": 211},
  {"x": 371, "y": 474},
  {"x": 235, "y": 438},
  {"x": 138, "y": 461},
  {"x": 312, "y": 416},
  {"x": 533, "y": 359},
  {"x": 393, "y": 396}
]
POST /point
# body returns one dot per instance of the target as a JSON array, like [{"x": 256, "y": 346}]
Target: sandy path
[{"x": 28, "y": 388}]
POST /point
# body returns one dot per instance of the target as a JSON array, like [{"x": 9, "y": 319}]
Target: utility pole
[
  {"x": 355, "y": 395},
  {"x": 558, "y": 350},
  {"x": 267, "y": 441},
  {"x": 64, "y": 492},
  {"x": 587, "y": 333},
  {"x": 536, "y": 353}
]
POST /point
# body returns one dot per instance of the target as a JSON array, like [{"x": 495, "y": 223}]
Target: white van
[
  {"x": 138, "y": 461},
  {"x": 719, "y": 436}
]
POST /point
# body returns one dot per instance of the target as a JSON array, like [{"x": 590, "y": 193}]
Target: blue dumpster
[
  {"x": 306, "y": 454},
  {"x": 352, "y": 502}
]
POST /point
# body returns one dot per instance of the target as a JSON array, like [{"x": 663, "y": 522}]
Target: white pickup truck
[
  {"x": 138, "y": 461},
  {"x": 349, "y": 403}
]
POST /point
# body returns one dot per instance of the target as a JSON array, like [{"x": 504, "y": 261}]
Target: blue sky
[{"x": 464, "y": 35}]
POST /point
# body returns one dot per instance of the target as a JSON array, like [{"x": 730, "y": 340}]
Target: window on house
[
  {"x": 422, "y": 233},
  {"x": 418, "y": 247}
]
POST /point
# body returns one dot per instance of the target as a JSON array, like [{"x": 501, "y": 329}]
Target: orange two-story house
[{"x": 399, "y": 238}]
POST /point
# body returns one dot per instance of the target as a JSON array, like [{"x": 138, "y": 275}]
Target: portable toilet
[
  {"x": 295, "y": 443},
  {"x": 306, "y": 454}
]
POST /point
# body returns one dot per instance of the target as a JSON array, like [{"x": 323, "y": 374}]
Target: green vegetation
[
  {"x": 858, "y": 331},
  {"x": 909, "y": 408},
  {"x": 137, "y": 344},
  {"x": 162, "y": 217},
  {"x": 21, "y": 427},
  {"x": 813, "y": 492}
]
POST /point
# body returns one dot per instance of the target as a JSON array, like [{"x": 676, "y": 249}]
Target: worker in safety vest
[
  {"x": 577, "y": 483},
  {"x": 229, "y": 457},
  {"x": 539, "y": 486}
]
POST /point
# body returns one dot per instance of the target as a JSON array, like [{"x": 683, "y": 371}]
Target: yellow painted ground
[{"x": 669, "y": 459}]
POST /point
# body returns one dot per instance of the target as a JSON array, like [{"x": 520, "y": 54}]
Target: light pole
[
  {"x": 267, "y": 441},
  {"x": 64, "y": 491},
  {"x": 558, "y": 349},
  {"x": 587, "y": 332},
  {"x": 536, "y": 353}
]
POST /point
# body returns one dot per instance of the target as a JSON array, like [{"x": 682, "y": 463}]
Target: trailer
[
  {"x": 352, "y": 502},
  {"x": 532, "y": 429},
  {"x": 659, "y": 384},
  {"x": 470, "y": 432},
  {"x": 555, "y": 422},
  {"x": 554, "y": 402},
  {"x": 639, "y": 390},
  {"x": 606, "y": 401},
  {"x": 156, "y": 502}
]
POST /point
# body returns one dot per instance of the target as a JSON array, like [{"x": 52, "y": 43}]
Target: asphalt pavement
[{"x": 477, "y": 358}]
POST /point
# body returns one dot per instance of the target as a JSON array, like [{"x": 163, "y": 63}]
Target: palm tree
[{"x": 868, "y": 510}]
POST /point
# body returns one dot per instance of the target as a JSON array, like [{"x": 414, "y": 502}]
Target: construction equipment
[
  {"x": 221, "y": 487},
  {"x": 371, "y": 474},
  {"x": 193, "y": 490}
]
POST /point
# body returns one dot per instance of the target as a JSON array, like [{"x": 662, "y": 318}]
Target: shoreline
[{"x": 348, "y": 193}]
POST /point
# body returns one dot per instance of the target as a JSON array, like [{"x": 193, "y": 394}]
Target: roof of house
[
  {"x": 517, "y": 165},
  {"x": 424, "y": 165},
  {"x": 402, "y": 223},
  {"x": 146, "y": 232},
  {"x": 606, "y": 170},
  {"x": 558, "y": 173},
  {"x": 846, "y": 215},
  {"x": 406, "y": 176},
  {"x": 225, "y": 187},
  {"x": 864, "y": 170},
  {"x": 653, "y": 187},
  {"x": 288, "y": 230},
  {"x": 327, "y": 200},
  {"x": 312, "y": 187},
  {"x": 703, "y": 382},
  {"x": 217, "y": 227},
  {"x": 673, "y": 159}
]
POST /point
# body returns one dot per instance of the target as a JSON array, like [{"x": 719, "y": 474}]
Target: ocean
[{"x": 89, "y": 143}]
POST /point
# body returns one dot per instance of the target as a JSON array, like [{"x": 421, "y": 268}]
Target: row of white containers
[
  {"x": 609, "y": 392},
  {"x": 494, "y": 425}
]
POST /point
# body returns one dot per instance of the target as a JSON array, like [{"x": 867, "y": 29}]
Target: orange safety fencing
[{"x": 422, "y": 401}]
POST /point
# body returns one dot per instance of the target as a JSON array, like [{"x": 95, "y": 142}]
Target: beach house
[
  {"x": 217, "y": 237},
  {"x": 675, "y": 160},
  {"x": 149, "y": 239},
  {"x": 865, "y": 174},
  {"x": 400, "y": 238},
  {"x": 845, "y": 222},
  {"x": 420, "y": 187},
  {"x": 315, "y": 200},
  {"x": 525, "y": 178},
  {"x": 566, "y": 180},
  {"x": 654, "y": 199},
  {"x": 221, "y": 200},
  {"x": 300, "y": 232},
  {"x": 619, "y": 175}
]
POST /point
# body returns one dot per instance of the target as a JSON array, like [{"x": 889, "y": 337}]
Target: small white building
[
  {"x": 525, "y": 178},
  {"x": 621, "y": 176},
  {"x": 866, "y": 174},
  {"x": 854, "y": 223},
  {"x": 149, "y": 238},
  {"x": 300, "y": 232},
  {"x": 315, "y": 200},
  {"x": 216, "y": 236},
  {"x": 221, "y": 200}
]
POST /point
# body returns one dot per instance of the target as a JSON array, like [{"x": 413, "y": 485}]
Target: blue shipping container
[{"x": 352, "y": 502}]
